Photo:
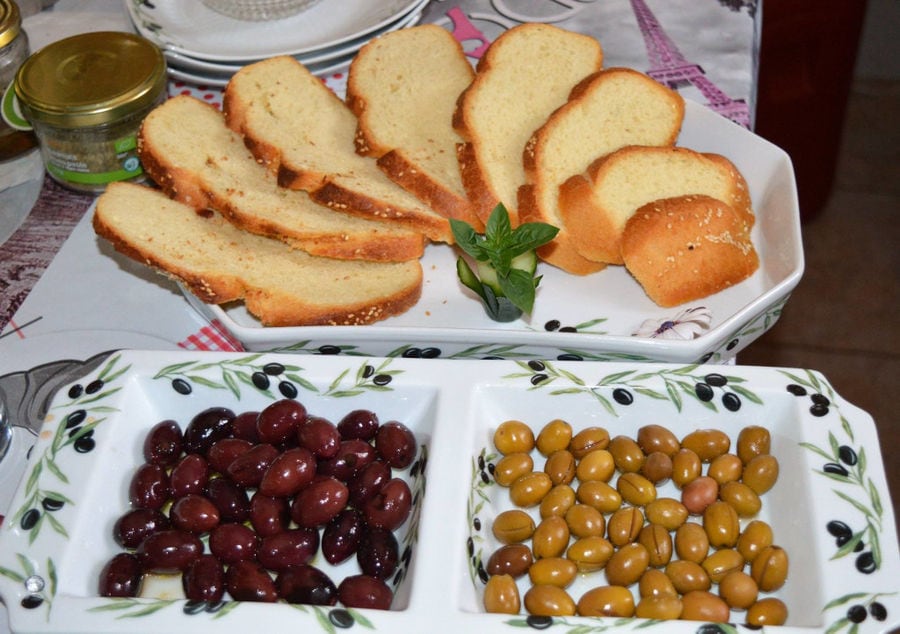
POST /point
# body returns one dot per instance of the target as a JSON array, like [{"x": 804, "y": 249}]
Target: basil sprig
[{"x": 506, "y": 260}]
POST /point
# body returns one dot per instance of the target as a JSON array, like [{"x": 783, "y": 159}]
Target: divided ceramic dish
[
  {"x": 829, "y": 509},
  {"x": 603, "y": 316}
]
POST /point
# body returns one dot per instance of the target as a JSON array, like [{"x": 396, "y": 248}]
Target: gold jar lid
[
  {"x": 90, "y": 79},
  {"x": 10, "y": 22}
]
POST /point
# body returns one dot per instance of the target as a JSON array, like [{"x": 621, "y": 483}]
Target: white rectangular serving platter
[
  {"x": 831, "y": 472},
  {"x": 612, "y": 317}
]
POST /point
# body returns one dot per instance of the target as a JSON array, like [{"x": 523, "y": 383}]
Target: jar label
[
  {"x": 12, "y": 114},
  {"x": 85, "y": 170}
]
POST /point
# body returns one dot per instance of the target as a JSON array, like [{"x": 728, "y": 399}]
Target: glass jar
[
  {"x": 14, "y": 51},
  {"x": 86, "y": 97}
]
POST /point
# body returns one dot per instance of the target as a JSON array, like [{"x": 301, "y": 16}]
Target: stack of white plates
[{"x": 205, "y": 47}]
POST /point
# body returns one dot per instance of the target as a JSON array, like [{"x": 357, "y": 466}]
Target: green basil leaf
[
  {"x": 519, "y": 288},
  {"x": 466, "y": 238},
  {"x": 530, "y": 236}
]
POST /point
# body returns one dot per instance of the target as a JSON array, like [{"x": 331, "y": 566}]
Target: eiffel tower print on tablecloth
[{"x": 668, "y": 66}]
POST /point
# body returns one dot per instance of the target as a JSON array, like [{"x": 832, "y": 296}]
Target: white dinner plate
[
  {"x": 221, "y": 80},
  {"x": 194, "y": 65},
  {"x": 197, "y": 31},
  {"x": 829, "y": 509}
]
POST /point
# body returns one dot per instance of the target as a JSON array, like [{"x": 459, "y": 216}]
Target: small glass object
[{"x": 259, "y": 10}]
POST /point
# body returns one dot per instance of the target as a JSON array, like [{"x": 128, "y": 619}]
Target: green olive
[
  {"x": 510, "y": 559},
  {"x": 596, "y": 465},
  {"x": 529, "y": 489},
  {"x": 501, "y": 595},
  {"x": 741, "y": 497},
  {"x": 761, "y": 473},
  {"x": 585, "y": 521},
  {"x": 635, "y": 489},
  {"x": 702, "y": 605},
  {"x": 658, "y": 543},
  {"x": 726, "y": 468},
  {"x": 553, "y": 436},
  {"x": 606, "y": 601},
  {"x": 722, "y": 524},
  {"x": 667, "y": 512},
  {"x": 756, "y": 536},
  {"x": 770, "y": 568},
  {"x": 691, "y": 542},
  {"x": 738, "y": 589},
  {"x": 513, "y": 526},
  {"x": 590, "y": 553},
  {"x": 513, "y": 436},
  {"x": 687, "y": 576},
  {"x": 654, "y": 583},
  {"x": 554, "y": 571},
  {"x": 768, "y": 611},
  {"x": 550, "y": 538},
  {"x": 708, "y": 444},
  {"x": 624, "y": 525},
  {"x": 657, "y": 467},
  {"x": 721, "y": 562},
  {"x": 626, "y": 453},
  {"x": 511, "y": 466},
  {"x": 587, "y": 440},
  {"x": 652, "y": 438},
  {"x": 627, "y": 565},
  {"x": 560, "y": 466},
  {"x": 686, "y": 467},
  {"x": 659, "y": 608},
  {"x": 557, "y": 501},
  {"x": 546, "y": 600},
  {"x": 753, "y": 441},
  {"x": 600, "y": 495}
]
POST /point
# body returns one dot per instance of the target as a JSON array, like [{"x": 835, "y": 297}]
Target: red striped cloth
[{"x": 212, "y": 337}]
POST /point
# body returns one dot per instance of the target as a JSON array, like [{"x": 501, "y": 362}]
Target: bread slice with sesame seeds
[
  {"x": 296, "y": 126},
  {"x": 187, "y": 149},
  {"x": 685, "y": 248},
  {"x": 596, "y": 205},
  {"x": 220, "y": 263},
  {"x": 606, "y": 111},
  {"x": 525, "y": 74},
  {"x": 403, "y": 88}
]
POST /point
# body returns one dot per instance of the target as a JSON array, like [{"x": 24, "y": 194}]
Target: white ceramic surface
[
  {"x": 193, "y": 29},
  {"x": 57, "y": 534},
  {"x": 607, "y": 308},
  {"x": 205, "y": 67}
]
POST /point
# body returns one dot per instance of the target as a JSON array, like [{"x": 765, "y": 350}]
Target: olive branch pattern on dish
[
  {"x": 679, "y": 383},
  {"x": 75, "y": 430},
  {"x": 480, "y": 480},
  {"x": 845, "y": 465},
  {"x": 243, "y": 372},
  {"x": 619, "y": 624},
  {"x": 864, "y": 604},
  {"x": 43, "y": 497}
]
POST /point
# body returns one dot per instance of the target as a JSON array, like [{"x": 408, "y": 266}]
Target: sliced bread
[
  {"x": 403, "y": 88},
  {"x": 293, "y": 123},
  {"x": 185, "y": 146},
  {"x": 220, "y": 263},
  {"x": 596, "y": 205},
  {"x": 525, "y": 74},
  {"x": 685, "y": 248},
  {"x": 606, "y": 111}
]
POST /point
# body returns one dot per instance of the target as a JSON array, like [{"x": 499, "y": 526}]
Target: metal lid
[
  {"x": 10, "y": 22},
  {"x": 90, "y": 79}
]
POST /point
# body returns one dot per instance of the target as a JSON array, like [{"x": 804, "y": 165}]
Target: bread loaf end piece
[
  {"x": 220, "y": 263},
  {"x": 526, "y": 74},
  {"x": 596, "y": 205},
  {"x": 686, "y": 248}
]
